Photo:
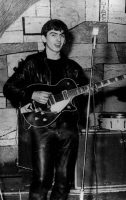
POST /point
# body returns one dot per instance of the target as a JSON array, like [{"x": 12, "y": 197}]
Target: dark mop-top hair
[{"x": 57, "y": 25}]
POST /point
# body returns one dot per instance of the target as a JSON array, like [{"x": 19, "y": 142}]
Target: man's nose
[{"x": 59, "y": 37}]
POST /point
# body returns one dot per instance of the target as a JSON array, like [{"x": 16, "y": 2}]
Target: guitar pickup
[{"x": 65, "y": 94}]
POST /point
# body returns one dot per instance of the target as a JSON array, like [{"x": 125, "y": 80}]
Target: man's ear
[{"x": 43, "y": 39}]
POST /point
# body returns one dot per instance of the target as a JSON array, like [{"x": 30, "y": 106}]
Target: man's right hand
[{"x": 41, "y": 96}]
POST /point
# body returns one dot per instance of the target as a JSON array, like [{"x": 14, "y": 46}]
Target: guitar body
[{"x": 38, "y": 115}]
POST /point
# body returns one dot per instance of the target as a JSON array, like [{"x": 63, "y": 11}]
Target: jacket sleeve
[{"x": 15, "y": 87}]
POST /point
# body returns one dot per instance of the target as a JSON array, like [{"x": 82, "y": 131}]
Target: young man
[{"x": 54, "y": 145}]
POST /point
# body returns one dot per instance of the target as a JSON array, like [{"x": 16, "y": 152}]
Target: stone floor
[
  {"x": 17, "y": 187},
  {"x": 22, "y": 195}
]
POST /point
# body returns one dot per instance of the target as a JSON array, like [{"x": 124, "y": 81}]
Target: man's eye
[
  {"x": 63, "y": 35},
  {"x": 53, "y": 34}
]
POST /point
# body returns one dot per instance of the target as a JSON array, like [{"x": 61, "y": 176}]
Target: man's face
[{"x": 54, "y": 40}]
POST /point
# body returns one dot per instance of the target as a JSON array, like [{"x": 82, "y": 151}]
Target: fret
[
  {"x": 121, "y": 77},
  {"x": 80, "y": 90},
  {"x": 102, "y": 84},
  {"x": 112, "y": 80},
  {"x": 72, "y": 92},
  {"x": 85, "y": 89},
  {"x": 77, "y": 90},
  {"x": 66, "y": 94},
  {"x": 98, "y": 85},
  {"x": 116, "y": 79},
  {"x": 105, "y": 82}
]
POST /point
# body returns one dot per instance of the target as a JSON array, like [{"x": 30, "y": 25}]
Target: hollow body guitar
[{"x": 60, "y": 100}]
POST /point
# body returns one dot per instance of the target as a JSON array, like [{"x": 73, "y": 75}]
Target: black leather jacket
[{"x": 34, "y": 69}]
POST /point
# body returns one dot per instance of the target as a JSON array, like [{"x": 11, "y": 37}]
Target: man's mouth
[{"x": 58, "y": 45}]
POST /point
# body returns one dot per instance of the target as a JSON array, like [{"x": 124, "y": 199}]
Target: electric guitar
[{"x": 60, "y": 100}]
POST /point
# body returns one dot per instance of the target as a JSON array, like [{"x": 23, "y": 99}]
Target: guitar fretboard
[
  {"x": 85, "y": 89},
  {"x": 67, "y": 94}
]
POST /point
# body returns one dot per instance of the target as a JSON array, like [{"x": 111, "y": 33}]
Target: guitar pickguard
[{"x": 59, "y": 106}]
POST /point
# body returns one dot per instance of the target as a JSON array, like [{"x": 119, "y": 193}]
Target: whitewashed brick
[
  {"x": 106, "y": 53},
  {"x": 114, "y": 70},
  {"x": 118, "y": 5},
  {"x": 117, "y": 11},
  {"x": 117, "y": 17},
  {"x": 8, "y": 127},
  {"x": 43, "y": 11},
  {"x": 116, "y": 33},
  {"x": 112, "y": 104},
  {"x": 16, "y": 26},
  {"x": 2, "y": 102},
  {"x": 92, "y": 10},
  {"x": 83, "y": 61},
  {"x": 40, "y": 46},
  {"x": 30, "y": 12},
  {"x": 35, "y": 9},
  {"x": 43, "y": 3},
  {"x": 34, "y": 25},
  {"x": 32, "y": 38},
  {"x": 71, "y": 12},
  {"x": 81, "y": 50},
  {"x": 10, "y": 140},
  {"x": 8, "y": 154},
  {"x": 12, "y": 37},
  {"x": 1, "y": 94},
  {"x": 13, "y": 59}
]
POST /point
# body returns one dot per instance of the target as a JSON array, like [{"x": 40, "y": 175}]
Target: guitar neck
[{"x": 85, "y": 89}]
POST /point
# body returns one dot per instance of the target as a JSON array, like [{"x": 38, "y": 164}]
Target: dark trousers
[{"x": 54, "y": 153}]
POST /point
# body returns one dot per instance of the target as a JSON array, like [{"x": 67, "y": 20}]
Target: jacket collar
[{"x": 44, "y": 55}]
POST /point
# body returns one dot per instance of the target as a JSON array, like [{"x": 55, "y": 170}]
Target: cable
[
  {"x": 94, "y": 146},
  {"x": 7, "y": 133}
]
